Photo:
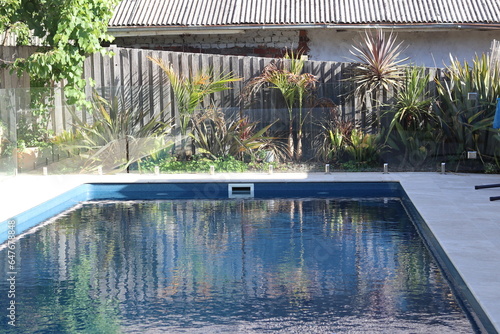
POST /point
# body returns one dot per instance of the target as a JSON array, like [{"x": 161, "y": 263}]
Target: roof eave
[{"x": 125, "y": 31}]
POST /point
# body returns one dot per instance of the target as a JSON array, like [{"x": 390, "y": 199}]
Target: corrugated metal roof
[{"x": 201, "y": 13}]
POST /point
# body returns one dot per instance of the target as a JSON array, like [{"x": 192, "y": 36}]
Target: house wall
[
  {"x": 429, "y": 49},
  {"x": 258, "y": 43}
]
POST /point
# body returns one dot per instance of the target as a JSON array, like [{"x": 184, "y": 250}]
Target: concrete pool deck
[{"x": 463, "y": 220}]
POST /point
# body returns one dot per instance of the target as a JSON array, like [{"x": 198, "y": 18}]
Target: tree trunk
[
  {"x": 298, "y": 152},
  {"x": 291, "y": 143},
  {"x": 127, "y": 154}
]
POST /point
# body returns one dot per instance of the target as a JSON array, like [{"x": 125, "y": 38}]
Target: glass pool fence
[{"x": 143, "y": 130}]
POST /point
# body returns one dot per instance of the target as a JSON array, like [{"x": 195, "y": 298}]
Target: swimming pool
[{"x": 317, "y": 262}]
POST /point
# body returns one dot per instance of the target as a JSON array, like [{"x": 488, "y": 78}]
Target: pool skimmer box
[{"x": 240, "y": 190}]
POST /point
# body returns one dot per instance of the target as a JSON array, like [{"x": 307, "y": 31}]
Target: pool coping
[{"x": 462, "y": 219}]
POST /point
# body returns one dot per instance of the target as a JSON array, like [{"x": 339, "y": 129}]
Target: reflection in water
[{"x": 313, "y": 265}]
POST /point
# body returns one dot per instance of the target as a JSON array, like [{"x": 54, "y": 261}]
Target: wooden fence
[
  {"x": 9, "y": 54},
  {"x": 149, "y": 87},
  {"x": 132, "y": 68},
  {"x": 130, "y": 75}
]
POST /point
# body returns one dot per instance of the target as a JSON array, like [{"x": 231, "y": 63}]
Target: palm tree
[
  {"x": 286, "y": 76},
  {"x": 190, "y": 91}
]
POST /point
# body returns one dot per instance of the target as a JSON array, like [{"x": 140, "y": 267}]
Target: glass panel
[
  {"x": 135, "y": 129},
  {"x": 8, "y": 142}
]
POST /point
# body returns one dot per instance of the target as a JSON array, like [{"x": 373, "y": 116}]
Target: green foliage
[
  {"x": 466, "y": 123},
  {"x": 33, "y": 124},
  {"x": 263, "y": 166},
  {"x": 71, "y": 30},
  {"x": 114, "y": 120},
  {"x": 414, "y": 130},
  {"x": 8, "y": 10},
  {"x": 66, "y": 137},
  {"x": 378, "y": 72},
  {"x": 32, "y": 130},
  {"x": 414, "y": 148},
  {"x": 189, "y": 92},
  {"x": 4, "y": 140},
  {"x": 214, "y": 135},
  {"x": 120, "y": 135},
  {"x": 337, "y": 144},
  {"x": 351, "y": 166},
  {"x": 68, "y": 141},
  {"x": 413, "y": 109},
  {"x": 286, "y": 76},
  {"x": 491, "y": 168},
  {"x": 198, "y": 164},
  {"x": 333, "y": 139},
  {"x": 342, "y": 144},
  {"x": 364, "y": 148},
  {"x": 380, "y": 67},
  {"x": 77, "y": 307}
]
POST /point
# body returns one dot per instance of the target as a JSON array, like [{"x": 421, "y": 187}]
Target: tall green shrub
[
  {"x": 331, "y": 142},
  {"x": 467, "y": 121},
  {"x": 414, "y": 128},
  {"x": 364, "y": 148}
]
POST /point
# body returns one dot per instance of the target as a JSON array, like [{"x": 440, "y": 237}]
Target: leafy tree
[
  {"x": 7, "y": 10},
  {"x": 70, "y": 29}
]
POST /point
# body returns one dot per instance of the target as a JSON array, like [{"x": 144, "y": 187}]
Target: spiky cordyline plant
[
  {"x": 379, "y": 65},
  {"x": 379, "y": 68},
  {"x": 413, "y": 109},
  {"x": 331, "y": 142},
  {"x": 217, "y": 137},
  {"x": 119, "y": 136},
  {"x": 414, "y": 130}
]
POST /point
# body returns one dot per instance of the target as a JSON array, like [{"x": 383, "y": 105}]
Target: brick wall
[{"x": 259, "y": 43}]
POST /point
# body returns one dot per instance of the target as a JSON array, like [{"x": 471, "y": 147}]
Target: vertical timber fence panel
[{"x": 139, "y": 83}]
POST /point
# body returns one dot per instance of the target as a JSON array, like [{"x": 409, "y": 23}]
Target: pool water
[{"x": 230, "y": 266}]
